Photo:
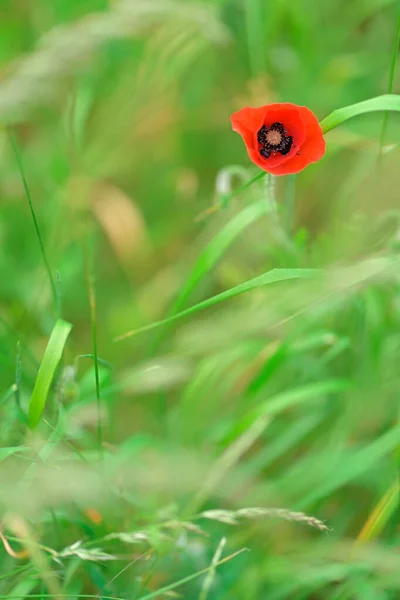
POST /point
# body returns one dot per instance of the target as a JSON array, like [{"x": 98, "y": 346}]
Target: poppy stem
[
  {"x": 289, "y": 202},
  {"x": 270, "y": 193},
  {"x": 271, "y": 206},
  {"x": 272, "y": 209}
]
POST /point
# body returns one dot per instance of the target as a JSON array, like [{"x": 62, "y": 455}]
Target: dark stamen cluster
[{"x": 274, "y": 139}]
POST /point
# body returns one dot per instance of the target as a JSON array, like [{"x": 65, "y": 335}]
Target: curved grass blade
[
  {"x": 104, "y": 363},
  {"x": 47, "y": 369},
  {"x": 355, "y": 465},
  {"x": 212, "y": 254},
  {"x": 291, "y": 398},
  {"x": 18, "y": 157},
  {"x": 272, "y": 276},
  {"x": 381, "y": 514},
  {"x": 395, "y": 53},
  {"x": 387, "y": 102},
  {"x": 172, "y": 586},
  {"x": 6, "y": 452}
]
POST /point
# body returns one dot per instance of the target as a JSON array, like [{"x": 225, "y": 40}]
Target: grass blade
[
  {"x": 47, "y": 369},
  {"x": 228, "y": 197},
  {"x": 391, "y": 80},
  {"x": 355, "y": 465},
  {"x": 172, "y": 586},
  {"x": 255, "y": 37},
  {"x": 93, "y": 321},
  {"x": 212, "y": 254},
  {"x": 225, "y": 198},
  {"x": 380, "y": 515},
  {"x": 9, "y": 394},
  {"x": 387, "y": 102},
  {"x": 272, "y": 276},
  {"x": 291, "y": 398},
  {"x": 6, "y": 452},
  {"x": 208, "y": 581},
  {"x": 36, "y": 224}
]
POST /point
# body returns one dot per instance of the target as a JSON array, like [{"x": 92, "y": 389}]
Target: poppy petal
[
  {"x": 312, "y": 150},
  {"x": 302, "y": 133},
  {"x": 248, "y": 121}
]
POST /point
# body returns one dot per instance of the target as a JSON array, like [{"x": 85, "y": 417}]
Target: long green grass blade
[
  {"x": 208, "y": 580},
  {"x": 228, "y": 197},
  {"x": 255, "y": 34},
  {"x": 215, "y": 249},
  {"x": 93, "y": 321},
  {"x": 9, "y": 393},
  {"x": 172, "y": 586},
  {"x": 393, "y": 62},
  {"x": 51, "y": 358},
  {"x": 270, "y": 277},
  {"x": 355, "y": 464},
  {"x": 290, "y": 399},
  {"x": 381, "y": 514},
  {"x": 18, "y": 157},
  {"x": 387, "y": 102},
  {"x": 6, "y": 452},
  {"x": 212, "y": 254},
  {"x": 297, "y": 396}
]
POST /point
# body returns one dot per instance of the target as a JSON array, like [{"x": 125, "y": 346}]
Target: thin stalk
[
  {"x": 289, "y": 202},
  {"x": 18, "y": 381},
  {"x": 245, "y": 186},
  {"x": 59, "y": 291},
  {"x": 395, "y": 51},
  {"x": 18, "y": 158},
  {"x": 93, "y": 320},
  {"x": 176, "y": 584},
  {"x": 226, "y": 198},
  {"x": 18, "y": 377},
  {"x": 273, "y": 212},
  {"x": 16, "y": 334},
  {"x": 10, "y": 393},
  {"x": 255, "y": 36}
]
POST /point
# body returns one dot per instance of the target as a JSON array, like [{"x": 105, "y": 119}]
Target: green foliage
[
  {"x": 49, "y": 364},
  {"x": 242, "y": 442},
  {"x": 389, "y": 102}
]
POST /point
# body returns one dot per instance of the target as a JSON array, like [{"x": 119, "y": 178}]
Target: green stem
[
  {"x": 387, "y": 102},
  {"x": 93, "y": 321},
  {"x": 228, "y": 197},
  {"x": 289, "y": 202},
  {"x": 280, "y": 233},
  {"x": 18, "y": 377},
  {"x": 255, "y": 36},
  {"x": 35, "y": 222},
  {"x": 391, "y": 81}
]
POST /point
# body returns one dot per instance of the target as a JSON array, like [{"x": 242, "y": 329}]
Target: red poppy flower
[{"x": 280, "y": 138}]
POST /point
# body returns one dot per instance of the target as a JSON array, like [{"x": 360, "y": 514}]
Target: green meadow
[{"x": 199, "y": 362}]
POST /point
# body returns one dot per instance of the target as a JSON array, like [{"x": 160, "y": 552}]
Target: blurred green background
[{"x": 116, "y": 115}]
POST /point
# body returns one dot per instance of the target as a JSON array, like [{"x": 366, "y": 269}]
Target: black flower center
[{"x": 274, "y": 139}]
